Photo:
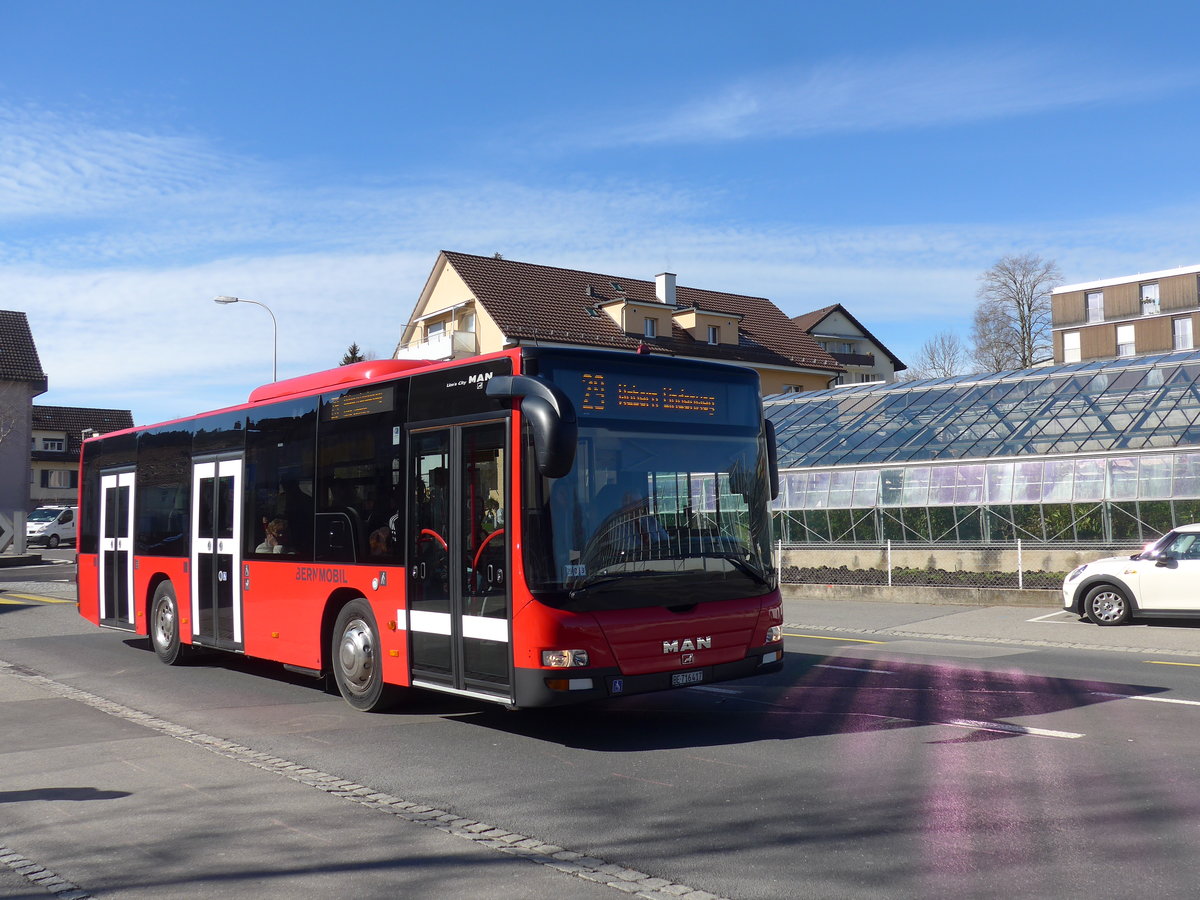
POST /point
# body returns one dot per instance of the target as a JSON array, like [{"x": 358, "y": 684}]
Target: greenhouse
[{"x": 1105, "y": 451}]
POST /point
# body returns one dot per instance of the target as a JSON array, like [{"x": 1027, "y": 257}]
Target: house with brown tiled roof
[
  {"x": 21, "y": 379},
  {"x": 479, "y": 304},
  {"x": 847, "y": 340},
  {"x": 57, "y": 435}
]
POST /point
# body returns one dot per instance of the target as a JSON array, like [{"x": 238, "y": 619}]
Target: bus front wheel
[
  {"x": 164, "y": 626},
  {"x": 355, "y": 654}
]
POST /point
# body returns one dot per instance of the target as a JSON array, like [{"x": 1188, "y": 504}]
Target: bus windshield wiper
[
  {"x": 605, "y": 580},
  {"x": 742, "y": 566}
]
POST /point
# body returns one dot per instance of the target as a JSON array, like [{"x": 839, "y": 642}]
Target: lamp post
[{"x": 274, "y": 329}]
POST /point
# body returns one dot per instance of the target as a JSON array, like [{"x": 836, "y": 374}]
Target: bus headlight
[
  {"x": 774, "y": 634},
  {"x": 564, "y": 659}
]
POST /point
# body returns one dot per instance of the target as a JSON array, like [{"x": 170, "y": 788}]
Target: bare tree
[
  {"x": 1012, "y": 319},
  {"x": 942, "y": 356}
]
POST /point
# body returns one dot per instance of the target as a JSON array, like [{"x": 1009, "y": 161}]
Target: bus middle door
[{"x": 216, "y": 556}]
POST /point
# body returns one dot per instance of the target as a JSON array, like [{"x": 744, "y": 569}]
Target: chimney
[{"x": 664, "y": 288}]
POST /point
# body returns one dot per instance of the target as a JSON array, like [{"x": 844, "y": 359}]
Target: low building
[
  {"x": 21, "y": 379},
  {"x": 1128, "y": 316},
  {"x": 57, "y": 435},
  {"x": 1105, "y": 452},
  {"x": 479, "y": 304},
  {"x": 847, "y": 340}
]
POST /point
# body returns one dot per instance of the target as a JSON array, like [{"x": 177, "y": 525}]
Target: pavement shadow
[
  {"x": 817, "y": 696},
  {"x": 61, "y": 793}
]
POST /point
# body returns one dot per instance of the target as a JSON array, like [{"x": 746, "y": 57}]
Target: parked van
[{"x": 51, "y": 525}]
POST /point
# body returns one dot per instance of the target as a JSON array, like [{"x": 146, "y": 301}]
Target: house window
[
  {"x": 651, "y": 328},
  {"x": 52, "y": 444},
  {"x": 714, "y": 334},
  {"x": 1149, "y": 299},
  {"x": 60, "y": 478},
  {"x": 793, "y": 388},
  {"x": 1095, "y": 305},
  {"x": 1125, "y": 340},
  {"x": 1181, "y": 330},
  {"x": 1071, "y": 347}
]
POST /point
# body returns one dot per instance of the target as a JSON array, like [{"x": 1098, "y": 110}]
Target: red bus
[{"x": 533, "y": 527}]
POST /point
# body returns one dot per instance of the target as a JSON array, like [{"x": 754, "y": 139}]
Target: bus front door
[
  {"x": 116, "y": 549},
  {"x": 216, "y": 556},
  {"x": 458, "y": 610}
]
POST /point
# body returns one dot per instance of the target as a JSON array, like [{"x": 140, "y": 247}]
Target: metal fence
[{"x": 1020, "y": 564}]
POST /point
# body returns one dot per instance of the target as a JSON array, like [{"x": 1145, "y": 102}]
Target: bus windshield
[{"x": 663, "y": 507}]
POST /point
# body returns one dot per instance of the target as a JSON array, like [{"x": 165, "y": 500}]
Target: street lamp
[{"x": 274, "y": 329}]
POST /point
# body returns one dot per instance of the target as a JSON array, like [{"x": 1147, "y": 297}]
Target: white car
[
  {"x": 1162, "y": 580},
  {"x": 51, "y": 525}
]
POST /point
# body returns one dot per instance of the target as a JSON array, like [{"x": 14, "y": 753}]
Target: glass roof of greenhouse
[{"x": 1135, "y": 403}]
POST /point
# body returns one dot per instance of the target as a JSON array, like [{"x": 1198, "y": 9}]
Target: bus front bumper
[{"x": 558, "y": 687}]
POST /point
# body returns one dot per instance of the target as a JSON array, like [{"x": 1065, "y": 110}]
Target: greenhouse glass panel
[
  {"x": 1156, "y": 515},
  {"x": 891, "y": 487},
  {"x": 916, "y": 486},
  {"x": 1089, "y": 522},
  {"x": 1122, "y": 478},
  {"x": 999, "y": 482},
  {"x": 841, "y": 488},
  {"x": 866, "y": 487},
  {"x": 969, "y": 485},
  {"x": 1089, "y": 479},
  {"x": 795, "y": 482},
  {"x": 1057, "y": 480},
  {"x": 941, "y": 485},
  {"x": 1187, "y": 475},
  {"x": 1027, "y": 482},
  {"x": 1187, "y": 512},
  {"x": 816, "y": 494},
  {"x": 1155, "y": 478}
]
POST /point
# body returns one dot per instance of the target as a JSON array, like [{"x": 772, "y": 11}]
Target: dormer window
[
  {"x": 714, "y": 334},
  {"x": 651, "y": 328},
  {"x": 53, "y": 444}
]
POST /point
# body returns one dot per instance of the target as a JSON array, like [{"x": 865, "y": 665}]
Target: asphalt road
[{"x": 904, "y": 751}]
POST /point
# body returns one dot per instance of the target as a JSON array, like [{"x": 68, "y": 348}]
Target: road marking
[
  {"x": 1061, "y": 612},
  {"x": 1008, "y": 728},
  {"x": 37, "y": 598},
  {"x": 1162, "y": 662},
  {"x": 854, "y": 669},
  {"x": 842, "y": 640},
  {"x": 715, "y": 690},
  {"x": 1174, "y": 700},
  {"x": 14, "y": 602}
]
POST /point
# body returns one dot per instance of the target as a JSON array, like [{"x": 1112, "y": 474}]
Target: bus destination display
[
  {"x": 359, "y": 403},
  {"x": 624, "y": 394}
]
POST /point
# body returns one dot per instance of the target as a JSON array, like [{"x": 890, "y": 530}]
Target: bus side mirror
[
  {"x": 551, "y": 418},
  {"x": 772, "y": 457}
]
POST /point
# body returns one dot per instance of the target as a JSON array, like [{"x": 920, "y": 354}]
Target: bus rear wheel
[
  {"x": 164, "y": 626},
  {"x": 357, "y": 665}
]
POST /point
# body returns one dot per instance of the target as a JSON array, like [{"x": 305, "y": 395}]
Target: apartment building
[
  {"x": 1154, "y": 312},
  {"x": 478, "y": 304}
]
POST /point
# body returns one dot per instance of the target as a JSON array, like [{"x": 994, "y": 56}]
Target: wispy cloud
[
  {"x": 910, "y": 91},
  {"x": 53, "y": 164}
]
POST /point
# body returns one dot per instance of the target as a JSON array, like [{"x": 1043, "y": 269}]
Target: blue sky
[{"x": 316, "y": 156}]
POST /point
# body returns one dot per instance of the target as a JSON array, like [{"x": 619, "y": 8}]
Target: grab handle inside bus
[{"x": 551, "y": 418}]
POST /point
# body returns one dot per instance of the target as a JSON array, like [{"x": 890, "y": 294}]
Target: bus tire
[
  {"x": 357, "y": 665},
  {"x": 164, "y": 626}
]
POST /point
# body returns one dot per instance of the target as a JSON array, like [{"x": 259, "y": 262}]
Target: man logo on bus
[{"x": 700, "y": 643}]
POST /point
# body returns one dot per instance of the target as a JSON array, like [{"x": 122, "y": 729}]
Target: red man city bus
[{"x": 532, "y": 528}]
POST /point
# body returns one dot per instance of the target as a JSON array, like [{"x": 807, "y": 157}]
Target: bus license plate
[{"x": 679, "y": 679}]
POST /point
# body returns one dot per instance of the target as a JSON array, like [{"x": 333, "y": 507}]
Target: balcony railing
[
  {"x": 447, "y": 345},
  {"x": 854, "y": 359}
]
